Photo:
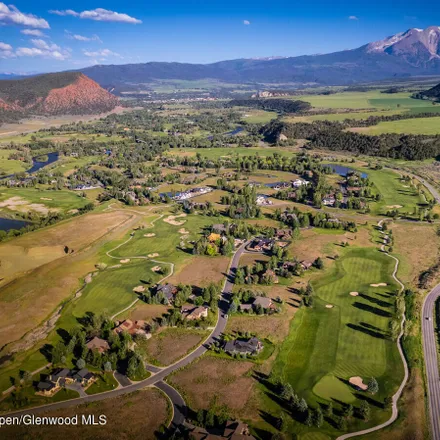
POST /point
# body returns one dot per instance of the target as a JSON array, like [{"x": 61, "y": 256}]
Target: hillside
[
  {"x": 55, "y": 94},
  {"x": 414, "y": 52},
  {"x": 433, "y": 93}
]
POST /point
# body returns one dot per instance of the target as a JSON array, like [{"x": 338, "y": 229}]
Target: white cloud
[
  {"x": 64, "y": 13},
  {"x": 246, "y": 22},
  {"x": 82, "y": 37},
  {"x": 101, "y": 53},
  {"x": 11, "y": 15},
  {"x": 41, "y": 44},
  {"x": 4, "y": 46},
  {"x": 6, "y": 50},
  {"x": 99, "y": 14},
  {"x": 33, "y": 32},
  {"x": 353, "y": 17},
  {"x": 56, "y": 54}
]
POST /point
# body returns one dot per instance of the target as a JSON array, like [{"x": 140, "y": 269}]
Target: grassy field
[
  {"x": 40, "y": 200},
  {"x": 406, "y": 126},
  {"x": 394, "y": 191},
  {"x": 326, "y": 347},
  {"x": 365, "y": 100},
  {"x": 258, "y": 116},
  {"x": 9, "y": 166}
]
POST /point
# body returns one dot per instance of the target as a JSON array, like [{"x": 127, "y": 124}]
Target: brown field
[
  {"x": 410, "y": 239},
  {"x": 146, "y": 410},
  {"x": 314, "y": 244},
  {"x": 250, "y": 259},
  {"x": 37, "y": 248},
  {"x": 28, "y": 300},
  {"x": 145, "y": 312},
  {"x": 200, "y": 271},
  {"x": 212, "y": 380},
  {"x": 171, "y": 344}
]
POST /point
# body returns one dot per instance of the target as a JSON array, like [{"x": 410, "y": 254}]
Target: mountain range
[{"x": 410, "y": 53}]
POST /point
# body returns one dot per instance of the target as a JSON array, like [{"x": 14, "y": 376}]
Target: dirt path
[{"x": 396, "y": 397}]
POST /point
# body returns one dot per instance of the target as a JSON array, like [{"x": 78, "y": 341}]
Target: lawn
[
  {"x": 104, "y": 382},
  {"x": 109, "y": 292},
  {"x": 406, "y": 126},
  {"x": 326, "y": 347}
]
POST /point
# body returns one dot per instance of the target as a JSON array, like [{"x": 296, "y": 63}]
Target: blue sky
[{"x": 51, "y": 36}]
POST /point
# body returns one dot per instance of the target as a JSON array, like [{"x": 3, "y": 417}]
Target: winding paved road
[
  {"x": 431, "y": 361},
  {"x": 179, "y": 406},
  {"x": 160, "y": 375}
]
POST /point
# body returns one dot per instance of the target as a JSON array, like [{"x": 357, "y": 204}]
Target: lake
[
  {"x": 6, "y": 224},
  {"x": 342, "y": 170}
]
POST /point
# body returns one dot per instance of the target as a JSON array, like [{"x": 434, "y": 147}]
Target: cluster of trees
[
  {"x": 295, "y": 218},
  {"x": 242, "y": 204},
  {"x": 221, "y": 246},
  {"x": 120, "y": 356},
  {"x": 331, "y": 136},
  {"x": 259, "y": 273},
  {"x": 277, "y": 104}
]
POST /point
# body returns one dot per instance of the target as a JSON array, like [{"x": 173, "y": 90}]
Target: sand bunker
[
  {"x": 394, "y": 206},
  {"x": 379, "y": 285},
  {"x": 156, "y": 269},
  {"x": 13, "y": 201},
  {"x": 354, "y": 293},
  {"x": 358, "y": 383},
  {"x": 329, "y": 306},
  {"x": 45, "y": 198},
  {"x": 17, "y": 203},
  {"x": 151, "y": 234},
  {"x": 88, "y": 278},
  {"x": 125, "y": 261},
  {"x": 73, "y": 211},
  {"x": 183, "y": 231},
  {"x": 171, "y": 219},
  {"x": 153, "y": 255},
  {"x": 116, "y": 266},
  {"x": 139, "y": 289}
]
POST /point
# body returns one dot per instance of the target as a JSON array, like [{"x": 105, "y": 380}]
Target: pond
[
  {"x": 6, "y": 224},
  {"x": 342, "y": 170},
  {"x": 38, "y": 164}
]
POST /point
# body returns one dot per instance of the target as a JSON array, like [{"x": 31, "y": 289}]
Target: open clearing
[
  {"x": 211, "y": 380},
  {"x": 169, "y": 345},
  {"x": 146, "y": 410},
  {"x": 40, "y": 247}
]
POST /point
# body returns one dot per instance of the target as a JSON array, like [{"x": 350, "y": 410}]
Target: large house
[
  {"x": 240, "y": 346},
  {"x": 98, "y": 344},
  {"x": 168, "y": 290},
  {"x": 47, "y": 388},
  {"x": 133, "y": 328},
  {"x": 84, "y": 377},
  {"x": 261, "y": 244},
  {"x": 264, "y": 302},
  {"x": 192, "y": 313}
]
